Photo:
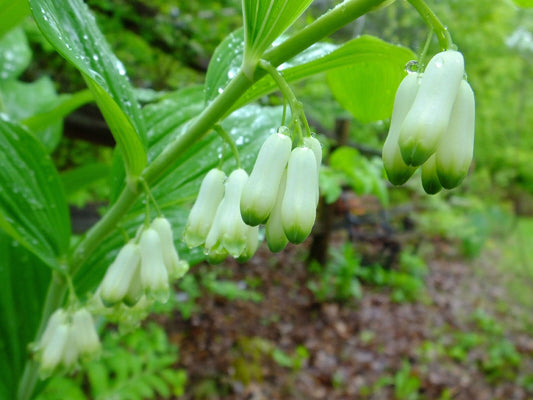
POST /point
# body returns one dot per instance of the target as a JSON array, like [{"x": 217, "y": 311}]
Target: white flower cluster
[
  {"x": 281, "y": 193},
  {"x": 432, "y": 125},
  {"x": 143, "y": 268},
  {"x": 67, "y": 338}
]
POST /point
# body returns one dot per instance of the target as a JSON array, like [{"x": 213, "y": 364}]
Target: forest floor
[{"x": 462, "y": 338}]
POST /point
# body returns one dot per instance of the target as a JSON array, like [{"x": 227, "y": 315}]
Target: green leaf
[
  {"x": 15, "y": 53},
  {"x": 71, "y": 29},
  {"x": 266, "y": 20},
  {"x": 23, "y": 283},
  {"x": 225, "y": 64},
  {"x": 13, "y": 12},
  {"x": 524, "y": 3},
  {"x": 62, "y": 107},
  {"x": 325, "y": 57},
  {"x": 32, "y": 203},
  {"x": 367, "y": 88},
  {"x": 22, "y": 100}
]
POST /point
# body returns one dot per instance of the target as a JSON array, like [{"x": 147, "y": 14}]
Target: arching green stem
[
  {"x": 227, "y": 138},
  {"x": 431, "y": 20}
]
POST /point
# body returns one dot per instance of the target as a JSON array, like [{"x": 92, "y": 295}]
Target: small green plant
[{"x": 134, "y": 366}]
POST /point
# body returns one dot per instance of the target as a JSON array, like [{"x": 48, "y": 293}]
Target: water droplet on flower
[{"x": 412, "y": 66}]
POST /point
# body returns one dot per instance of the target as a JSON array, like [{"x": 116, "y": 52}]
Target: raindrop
[
  {"x": 232, "y": 73},
  {"x": 411, "y": 67},
  {"x": 95, "y": 57},
  {"x": 220, "y": 90}
]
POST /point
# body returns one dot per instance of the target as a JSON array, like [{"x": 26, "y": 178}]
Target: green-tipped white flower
[
  {"x": 135, "y": 290},
  {"x": 84, "y": 333},
  {"x": 298, "y": 208},
  {"x": 119, "y": 275},
  {"x": 430, "y": 179},
  {"x": 275, "y": 235},
  {"x": 315, "y": 145},
  {"x": 176, "y": 268},
  {"x": 397, "y": 171},
  {"x": 204, "y": 209},
  {"x": 428, "y": 118},
  {"x": 259, "y": 193},
  {"x": 456, "y": 147},
  {"x": 154, "y": 276},
  {"x": 252, "y": 243},
  {"x": 229, "y": 232},
  {"x": 51, "y": 357}
]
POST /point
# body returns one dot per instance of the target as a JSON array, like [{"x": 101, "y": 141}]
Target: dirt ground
[{"x": 351, "y": 350}]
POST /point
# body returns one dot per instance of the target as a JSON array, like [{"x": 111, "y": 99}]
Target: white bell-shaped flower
[
  {"x": 428, "y": 118},
  {"x": 456, "y": 147},
  {"x": 275, "y": 235},
  {"x": 314, "y": 144},
  {"x": 397, "y": 171},
  {"x": 119, "y": 275},
  {"x": 84, "y": 333},
  {"x": 229, "y": 232},
  {"x": 203, "y": 211},
  {"x": 259, "y": 193},
  {"x": 298, "y": 208},
  {"x": 176, "y": 268},
  {"x": 53, "y": 351},
  {"x": 252, "y": 243},
  {"x": 430, "y": 179},
  {"x": 154, "y": 276}
]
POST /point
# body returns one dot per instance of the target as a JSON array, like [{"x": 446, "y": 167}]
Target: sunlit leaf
[
  {"x": 33, "y": 209},
  {"x": 15, "y": 54},
  {"x": 71, "y": 29},
  {"x": 524, "y": 3}
]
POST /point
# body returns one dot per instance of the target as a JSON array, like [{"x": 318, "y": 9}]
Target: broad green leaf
[
  {"x": 225, "y": 64},
  {"x": 264, "y": 21},
  {"x": 70, "y": 27},
  {"x": 24, "y": 280},
  {"x": 22, "y": 100},
  {"x": 176, "y": 190},
  {"x": 15, "y": 54},
  {"x": 322, "y": 58},
  {"x": 63, "y": 106},
  {"x": 13, "y": 12},
  {"x": 32, "y": 204}
]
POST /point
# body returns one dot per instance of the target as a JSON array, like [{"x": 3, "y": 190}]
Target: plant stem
[
  {"x": 231, "y": 143},
  {"x": 431, "y": 20},
  {"x": 322, "y": 27}
]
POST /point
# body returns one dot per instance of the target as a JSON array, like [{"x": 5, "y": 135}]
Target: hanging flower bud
[
  {"x": 135, "y": 291},
  {"x": 252, "y": 242},
  {"x": 430, "y": 180},
  {"x": 154, "y": 276},
  {"x": 229, "y": 231},
  {"x": 275, "y": 235},
  {"x": 84, "y": 333},
  {"x": 176, "y": 268},
  {"x": 52, "y": 352},
  {"x": 298, "y": 208},
  {"x": 428, "y": 118},
  {"x": 259, "y": 193},
  {"x": 397, "y": 171},
  {"x": 119, "y": 275},
  {"x": 315, "y": 145},
  {"x": 204, "y": 209},
  {"x": 456, "y": 147}
]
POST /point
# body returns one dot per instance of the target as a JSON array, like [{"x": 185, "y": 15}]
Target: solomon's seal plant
[{"x": 173, "y": 152}]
